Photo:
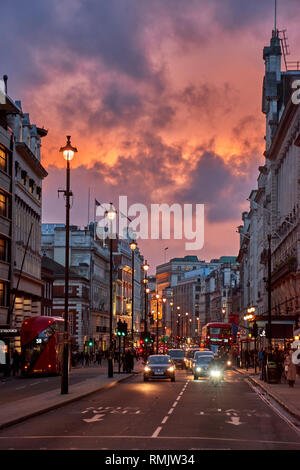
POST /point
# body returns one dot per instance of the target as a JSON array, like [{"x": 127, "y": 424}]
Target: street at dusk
[
  {"x": 157, "y": 415},
  {"x": 150, "y": 229}
]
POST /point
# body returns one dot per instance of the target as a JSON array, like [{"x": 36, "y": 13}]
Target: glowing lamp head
[
  {"x": 133, "y": 245},
  {"x": 68, "y": 150},
  {"x": 157, "y": 296},
  {"x": 147, "y": 290},
  {"x": 111, "y": 213},
  {"x": 164, "y": 300},
  {"x": 145, "y": 266}
]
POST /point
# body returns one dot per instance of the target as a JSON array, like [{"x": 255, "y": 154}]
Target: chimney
[{"x": 5, "y": 78}]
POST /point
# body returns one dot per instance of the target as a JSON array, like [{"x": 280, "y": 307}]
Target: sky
[{"x": 162, "y": 99}]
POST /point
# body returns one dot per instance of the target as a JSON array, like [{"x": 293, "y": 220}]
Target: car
[
  {"x": 199, "y": 354},
  {"x": 201, "y": 367},
  {"x": 177, "y": 356},
  {"x": 159, "y": 367},
  {"x": 189, "y": 357}
]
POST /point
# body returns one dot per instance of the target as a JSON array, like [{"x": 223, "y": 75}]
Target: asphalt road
[
  {"x": 18, "y": 387},
  {"x": 185, "y": 415}
]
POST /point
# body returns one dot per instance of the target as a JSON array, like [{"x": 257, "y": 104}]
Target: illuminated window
[
  {"x": 2, "y": 294},
  {"x": 3, "y": 160},
  {"x": 3, "y": 204},
  {"x": 3, "y": 249}
]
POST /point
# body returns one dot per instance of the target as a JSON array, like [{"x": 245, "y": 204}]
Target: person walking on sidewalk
[
  {"x": 247, "y": 359},
  {"x": 290, "y": 369},
  {"x": 16, "y": 360}
]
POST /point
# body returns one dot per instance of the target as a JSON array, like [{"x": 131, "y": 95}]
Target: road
[
  {"x": 160, "y": 415},
  {"x": 17, "y": 388}
]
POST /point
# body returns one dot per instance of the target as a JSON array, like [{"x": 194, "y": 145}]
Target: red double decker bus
[
  {"x": 217, "y": 335},
  {"x": 42, "y": 340}
]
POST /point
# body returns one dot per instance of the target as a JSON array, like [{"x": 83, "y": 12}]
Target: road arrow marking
[
  {"x": 235, "y": 420},
  {"x": 94, "y": 418}
]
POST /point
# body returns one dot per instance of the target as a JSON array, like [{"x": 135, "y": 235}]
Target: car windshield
[
  {"x": 203, "y": 353},
  {"x": 204, "y": 360},
  {"x": 159, "y": 360},
  {"x": 178, "y": 353},
  {"x": 191, "y": 353}
]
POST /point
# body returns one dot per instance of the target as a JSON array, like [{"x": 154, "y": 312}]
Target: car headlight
[
  {"x": 199, "y": 369},
  {"x": 171, "y": 369},
  {"x": 215, "y": 373},
  {"x": 147, "y": 369}
]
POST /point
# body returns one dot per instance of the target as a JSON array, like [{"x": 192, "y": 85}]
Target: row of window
[{"x": 29, "y": 182}]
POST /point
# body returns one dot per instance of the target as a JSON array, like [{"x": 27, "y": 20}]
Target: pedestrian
[
  {"x": 15, "y": 362},
  {"x": 87, "y": 359},
  {"x": 247, "y": 359},
  {"x": 260, "y": 358},
  {"x": 290, "y": 369},
  {"x": 264, "y": 364}
]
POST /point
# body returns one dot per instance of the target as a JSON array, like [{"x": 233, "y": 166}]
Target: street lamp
[
  {"x": 186, "y": 323},
  {"x": 171, "y": 334},
  {"x": 157, "y": 298},
  {"x": 68, "y": 152},
  {"x": 110, "y": 214},
  {"x": 133, "y": 246}
]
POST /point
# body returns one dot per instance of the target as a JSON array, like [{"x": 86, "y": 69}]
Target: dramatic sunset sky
[{"x": 162, "y": 98}]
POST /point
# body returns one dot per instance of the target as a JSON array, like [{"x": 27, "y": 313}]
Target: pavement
[
  {"x": 287, "y": 397},
  {"x": 89, "y": 380}
]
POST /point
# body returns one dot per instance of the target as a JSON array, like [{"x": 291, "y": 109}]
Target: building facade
[{"x": 271, "y": 228}]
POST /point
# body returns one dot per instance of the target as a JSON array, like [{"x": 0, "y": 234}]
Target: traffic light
[
  {"x": 255, "y": 330},
  {"x": 90, "y": 342},
  {"x": 121, "y": 328}
]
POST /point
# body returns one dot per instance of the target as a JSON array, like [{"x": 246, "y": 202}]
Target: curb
[
  {"x": 274, "y": 397},
  {"x": 66, "y": 402}
]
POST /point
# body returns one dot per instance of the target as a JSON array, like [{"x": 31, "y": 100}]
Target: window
[
  {"x": 31, "y": 185},
  {"x": 3, "y": 294},
  {"x": 3, "y": 204},
  {"x": 3, "y": 159},
  {"x": 3, "y": 249},
  {"x": 23, "y": 177}
]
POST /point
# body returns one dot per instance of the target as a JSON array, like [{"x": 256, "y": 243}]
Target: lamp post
[
  {"x": 269, "y": 293},
  {"x": 171, "y": 333},
  {"x": 68, "y": 152},
  {"x": 111, "y": 214},
  {"x": 133, "y": 246},
  {"x": 145, "y": 267},
  {"x": 164, "y": 314},
  {"x": 186, "y": 324},
  {"x": 157, "y": 298}
]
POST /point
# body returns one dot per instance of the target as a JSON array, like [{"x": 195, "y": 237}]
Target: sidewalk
[
  {"x": 20, "y": 410},
  {"x": 288, "y": 398}
]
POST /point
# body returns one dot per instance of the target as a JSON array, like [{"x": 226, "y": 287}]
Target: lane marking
[
  {"x": 263, "y": 398},
  {"x": 156, "y": 433},
  {"x": 165, "y": 420},
  {"x": 174, "y": 404},
  {"x": 170, "y": 411}
]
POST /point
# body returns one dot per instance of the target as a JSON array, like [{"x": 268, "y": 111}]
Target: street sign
[{"x": 9, "y": 332}]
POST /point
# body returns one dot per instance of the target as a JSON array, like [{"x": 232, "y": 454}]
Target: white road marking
[
  {"x": 170, "y": 411},
  {"x": 94, "y": 418},
  {"x": 165, "y": 420},
  {"x": 174, "y": 404},
  {"x": 156, "y": 432}
]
